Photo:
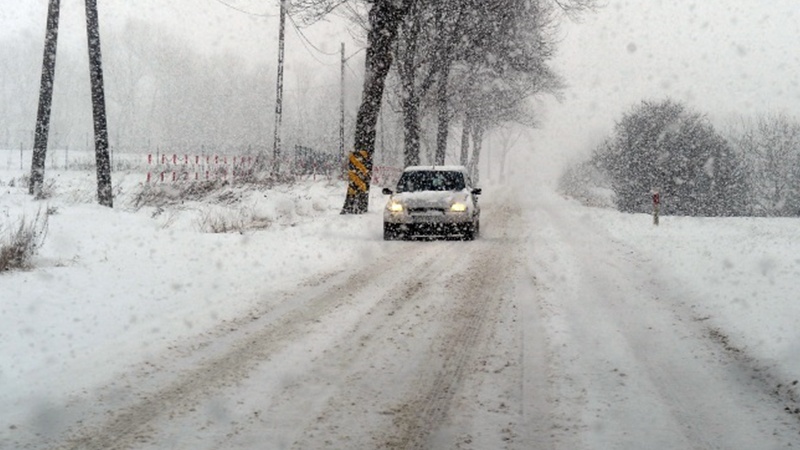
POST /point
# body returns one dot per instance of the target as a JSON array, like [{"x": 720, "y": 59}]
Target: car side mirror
[
  {"x": 476, "y": 191},
  {"x": 387, "y": 191}
]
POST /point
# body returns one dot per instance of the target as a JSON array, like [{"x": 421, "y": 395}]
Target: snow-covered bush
[
  {"x": 225, "y": 220},
  {"x": 664, "y": 146},
  {"x": 160, "y": 195}
]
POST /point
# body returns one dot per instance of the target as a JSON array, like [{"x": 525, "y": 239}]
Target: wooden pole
[
  {"x": 45, "y": 100},
  {"x": 341, "y": 114},
  {"x": 105, "y": 194},
  {"x": 276, "y": 146}
]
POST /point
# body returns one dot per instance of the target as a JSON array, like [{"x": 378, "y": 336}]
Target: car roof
[{"x": 436, "y": 168}]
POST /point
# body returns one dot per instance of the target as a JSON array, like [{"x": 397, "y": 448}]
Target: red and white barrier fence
[
  {"x": 174, "y": 168},
  {"x": 164, "y": 168}
]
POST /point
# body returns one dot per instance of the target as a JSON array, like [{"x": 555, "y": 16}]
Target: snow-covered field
[
  {"x": 740, "y": 274},
  {"x": 112, "y": 290}
]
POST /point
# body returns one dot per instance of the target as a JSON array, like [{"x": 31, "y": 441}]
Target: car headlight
[
  {"x": 458, "y": 207},
  {"x": 395, "y": 207}
]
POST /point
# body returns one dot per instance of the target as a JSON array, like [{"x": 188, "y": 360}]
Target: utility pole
[
  {"x": 105, "y": 195},
  {"x": 342, "y": 155},
  {"x": 45, "y": 100},
  {"x": 276, "y": 147},
  {"x": 341, "y": 115}
]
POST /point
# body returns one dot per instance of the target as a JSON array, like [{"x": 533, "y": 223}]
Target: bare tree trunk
[
  {"x": 443, "y": 115},
  {"x": 477, "y": 143},
  {"x": 45, "y": 100},
  {"x": 411, "y": 130},
  {"x": 507, "y": 143},
  {"x": 384, "y": 19},
  {"x": 105, "y": 195},
  {"x": 466, "y": 130},
  {"x": 407, "y": 69}
]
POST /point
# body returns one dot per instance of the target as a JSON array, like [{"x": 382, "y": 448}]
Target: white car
[{"x": 432, "y": 201}]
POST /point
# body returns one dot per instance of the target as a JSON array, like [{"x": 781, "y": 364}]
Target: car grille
[{"x": 422, "y": 211}]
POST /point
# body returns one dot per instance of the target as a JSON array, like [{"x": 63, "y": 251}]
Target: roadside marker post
[{"x": 656, "y": 206}]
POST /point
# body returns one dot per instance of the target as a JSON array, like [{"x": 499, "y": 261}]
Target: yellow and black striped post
[{"x": 359, "y": 173}]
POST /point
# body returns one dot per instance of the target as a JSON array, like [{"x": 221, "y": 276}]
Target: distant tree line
[
  {"x": 163, "y": 93},
  {"x": 663, "y": 146},
  {"x": 770, "y": 149}
]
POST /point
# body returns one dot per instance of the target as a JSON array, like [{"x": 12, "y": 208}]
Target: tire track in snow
[
  {"x": 357, "y": 404},
  {"x": 392, "y": 378},
  {"x": 254, "y": 341},
  {"x": 420, "y": 417}
]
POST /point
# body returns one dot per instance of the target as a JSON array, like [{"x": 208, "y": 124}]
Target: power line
[
  {"x": 309, "y": 46},
  {"x": 306, "y": 42},
  {"x": 326, "y": 87},
  {"x": 249, "y": 13},
  {"x": 351, "y": 70}
]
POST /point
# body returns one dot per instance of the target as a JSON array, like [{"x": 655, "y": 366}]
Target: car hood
[{"x": 431, "y": 199}]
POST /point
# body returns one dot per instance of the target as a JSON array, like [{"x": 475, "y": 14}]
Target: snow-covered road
[
  {"x": 551, "y": 331},
  {"x": 631, "y": 364},
  {"x": 419, "y": 347}
]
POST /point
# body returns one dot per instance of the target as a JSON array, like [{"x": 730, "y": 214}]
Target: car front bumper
[
  {"x": 429, "y": 217},
  {"x": 431, "y": 229},
  {"x": 430, "y": 223}
]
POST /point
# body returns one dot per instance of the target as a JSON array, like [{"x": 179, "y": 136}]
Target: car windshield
[{"x": 431, "y": 180}]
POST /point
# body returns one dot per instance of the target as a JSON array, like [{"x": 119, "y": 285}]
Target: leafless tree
[
  {"x": 770, "y": 145},
  {"x": 385, "y": 17}
]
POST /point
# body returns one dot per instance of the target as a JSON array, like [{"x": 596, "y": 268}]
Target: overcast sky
[
  {"x": 246, "y": 27},
  {"x": 721, "y": 57}
]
